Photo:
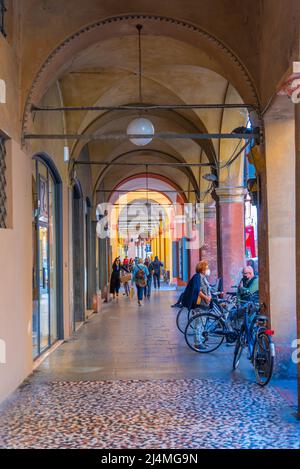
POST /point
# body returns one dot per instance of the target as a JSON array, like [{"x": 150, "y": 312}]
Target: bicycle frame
[{"x": 251, "y": 332}]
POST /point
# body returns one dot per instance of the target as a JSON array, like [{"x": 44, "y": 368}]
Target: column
[
  {"x": 279, "y": 123},
  {"x": 231, "y": 233},
  {"x": 162, "y": 248},
  {"x": 209, "y": 250},
  {"x": 297, "y": 131},
  {"x": 102, "y": 262},
  {"x": 166, "y": 262}
]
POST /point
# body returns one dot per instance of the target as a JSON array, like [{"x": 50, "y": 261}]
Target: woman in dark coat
[{"x": 115, "y": 281}]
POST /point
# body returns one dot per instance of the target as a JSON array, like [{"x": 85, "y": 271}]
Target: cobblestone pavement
[
  {"x": 189, "y": 413},
  {"x": 127, "y": 380}
]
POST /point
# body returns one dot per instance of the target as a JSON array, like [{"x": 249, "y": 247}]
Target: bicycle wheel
[
  {"x": 263, "y": 359},
  {"x": 237, "y": 353},
  {"x": 183, "y": 317},
  {"x": 204, "y": 333}
]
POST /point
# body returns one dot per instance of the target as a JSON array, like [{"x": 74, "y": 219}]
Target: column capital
[
  {"x": 210, "y": 210},
  {"x": 228, "y": 195},
  {"x": 291, "y": 86}
]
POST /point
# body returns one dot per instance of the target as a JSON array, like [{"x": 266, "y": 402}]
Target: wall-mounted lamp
[
  {"x": 66, "y": 154},
  {"x": 210, "y": 177}
]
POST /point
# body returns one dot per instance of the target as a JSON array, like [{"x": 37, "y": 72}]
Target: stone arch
[
  {"x": 57, "y": 62},
  {"x": 153, "y": 175},
  {"x": 187, "y": 171}
]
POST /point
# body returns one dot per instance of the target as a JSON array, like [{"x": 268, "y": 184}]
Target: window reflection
[{"x": 44, "y": 320}]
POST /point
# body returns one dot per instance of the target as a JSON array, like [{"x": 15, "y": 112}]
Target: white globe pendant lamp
[{"x": 141, "y": 126}]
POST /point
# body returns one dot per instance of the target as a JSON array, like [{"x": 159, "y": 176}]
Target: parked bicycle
[
  {"x": 256, "y": 338},
  {"x": 184, "y": 314},
  {"x": 206, "y": 331}
]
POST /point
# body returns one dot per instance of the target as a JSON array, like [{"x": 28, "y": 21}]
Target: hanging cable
[
  {"x": 147, "y": 192},
  {"x": 139, "y": 28}
]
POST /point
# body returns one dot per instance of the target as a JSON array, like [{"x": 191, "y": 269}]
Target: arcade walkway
[{"x": 127, "y": 379}]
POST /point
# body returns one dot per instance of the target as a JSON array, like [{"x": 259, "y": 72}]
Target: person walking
[
  {"x": 149, "y": 265},
  {"x": 115, "y": 281},
  {"x": 125, "y": 277},
  {"x": 139, "y": 277},
  {"x": 157, "y": 265},
  {"x": 130, "y": 264}
]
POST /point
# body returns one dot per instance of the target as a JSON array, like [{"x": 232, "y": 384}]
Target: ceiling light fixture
[{"x": 140, "y": 125}]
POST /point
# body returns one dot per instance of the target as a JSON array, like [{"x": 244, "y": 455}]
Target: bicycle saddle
[{"x": 261, "y": 318}]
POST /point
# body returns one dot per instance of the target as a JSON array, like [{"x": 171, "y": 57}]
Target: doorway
[{"x": 47, "y": 318}]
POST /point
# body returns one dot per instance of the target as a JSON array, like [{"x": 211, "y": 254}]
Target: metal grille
[
  {"x": 3, "y": 212},
  {"x": 2, "y": 15}
]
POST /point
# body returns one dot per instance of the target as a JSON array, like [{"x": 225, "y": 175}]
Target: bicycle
[
  {"x": 206, "y": 331},
  {"x": 257, "y": 338},
  {"x": 184, "y": 314}
]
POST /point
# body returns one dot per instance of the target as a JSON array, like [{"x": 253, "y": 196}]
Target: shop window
[
  {"x": 47, "y": 317},
  {"x": 2, "y": 17}
]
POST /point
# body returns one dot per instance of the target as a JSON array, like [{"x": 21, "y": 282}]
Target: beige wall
[
  {"x": 16, "y": 278},
  {"x": 16, "y": 241},
  {"x": 9, "y": 72},
  {"x": 280, "y": 159}
]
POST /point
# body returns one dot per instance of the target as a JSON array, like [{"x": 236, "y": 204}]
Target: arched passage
[{"x": 146, "y": 217}]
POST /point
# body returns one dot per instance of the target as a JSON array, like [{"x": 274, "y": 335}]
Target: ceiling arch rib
[
  {"x": 161, "y": 156},
  {"x": 153, "y": 182}
]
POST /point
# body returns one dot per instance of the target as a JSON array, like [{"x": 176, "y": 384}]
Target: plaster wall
[
  {"x": 16, "y": 277},
  {"x": 16, "y": 240},
  {"x": 280, "y": 163}
]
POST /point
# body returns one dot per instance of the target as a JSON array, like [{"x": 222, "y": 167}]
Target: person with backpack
[
  {"x": 139, "y": 277},
  {"x": 157, "y": 265},
  {"x": 150, "y": 267}
]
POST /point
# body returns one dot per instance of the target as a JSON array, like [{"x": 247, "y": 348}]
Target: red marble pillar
[
  {"x": 209, "y": 250},
  {"x": 193, "y": 261},
  {"x": 231, "y": 235}
]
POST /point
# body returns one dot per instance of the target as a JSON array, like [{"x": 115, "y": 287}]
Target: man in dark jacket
[{"x": 156, "y": 271}]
